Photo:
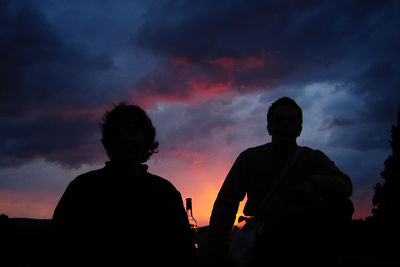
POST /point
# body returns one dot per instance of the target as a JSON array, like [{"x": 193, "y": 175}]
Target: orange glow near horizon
[
  {"x": 28, "y": 204},
  {"x": 41, "y": 206},
  {"x": 195, "y": 175}
]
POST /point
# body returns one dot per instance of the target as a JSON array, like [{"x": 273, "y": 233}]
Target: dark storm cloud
[
  {"x": 360, "y": 137},
  {"x": 300, "y": 42},
  {"x": 379, "y": 85},
  {"x": 67, "y": 59},
  {"x": 214, "y": 29},
  {"x": 354, "y": 43},
  {"x": 38, "y": 67},
  {"x": 69, "y": 141},
  {"x": 314, "y": 32},
  {"x": 42, "y": 76}
]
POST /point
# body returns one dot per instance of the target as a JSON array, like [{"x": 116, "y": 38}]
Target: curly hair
[{"x": 122, "y": 115}]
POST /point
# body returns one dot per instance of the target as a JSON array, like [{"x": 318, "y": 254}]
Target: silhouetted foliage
[{"x": 386, "y": 200}]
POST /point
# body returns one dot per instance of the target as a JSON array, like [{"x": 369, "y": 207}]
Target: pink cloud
[
  {"x": 237, "y": 64},
  {"x": 180, "y": 79}
]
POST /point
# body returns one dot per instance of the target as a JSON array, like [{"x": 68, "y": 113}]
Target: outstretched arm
[{"x": 225, "y": 209}]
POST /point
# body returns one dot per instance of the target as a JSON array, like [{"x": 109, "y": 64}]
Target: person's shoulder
[
  {"x": 159, "y": 182},
  {"x": 87, "y": 178},
  {"x": 313, "y": 153},
  {"x": 255, "y": 151}
]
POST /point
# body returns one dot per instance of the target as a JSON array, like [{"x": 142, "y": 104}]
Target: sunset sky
[{"x": 206, "y": 73}]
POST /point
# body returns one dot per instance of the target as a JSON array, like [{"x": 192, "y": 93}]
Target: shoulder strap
[{"x": 279, "y": 179}]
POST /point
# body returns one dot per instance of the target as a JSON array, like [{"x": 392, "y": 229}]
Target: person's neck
[
  {"x": 133, "y": 167},
  {"x": 284, "y": 147}
]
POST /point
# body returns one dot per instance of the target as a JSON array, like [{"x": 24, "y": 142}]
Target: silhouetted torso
[
  {"x": 121, "y": 215},
  {"x": 291, "y": 228}
]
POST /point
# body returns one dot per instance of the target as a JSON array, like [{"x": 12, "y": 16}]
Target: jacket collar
[{"x": 135, "y": 170}]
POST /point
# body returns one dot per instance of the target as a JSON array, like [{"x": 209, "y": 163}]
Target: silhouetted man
[
  {"x": 304, "y": 219},
  {"x": 121, "y": 215}
]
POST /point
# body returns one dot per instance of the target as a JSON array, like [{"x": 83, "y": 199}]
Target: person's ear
[
  {"x": 299, "y": 130},
  {"x": 269, "y": 129}
]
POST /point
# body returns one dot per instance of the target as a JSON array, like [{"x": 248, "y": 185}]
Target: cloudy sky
[{"x": 206, "y": 73}]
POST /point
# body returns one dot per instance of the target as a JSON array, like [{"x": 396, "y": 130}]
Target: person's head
[
  {"x": 285, "y": 119},
  {"x": 128, "y": 134}
]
